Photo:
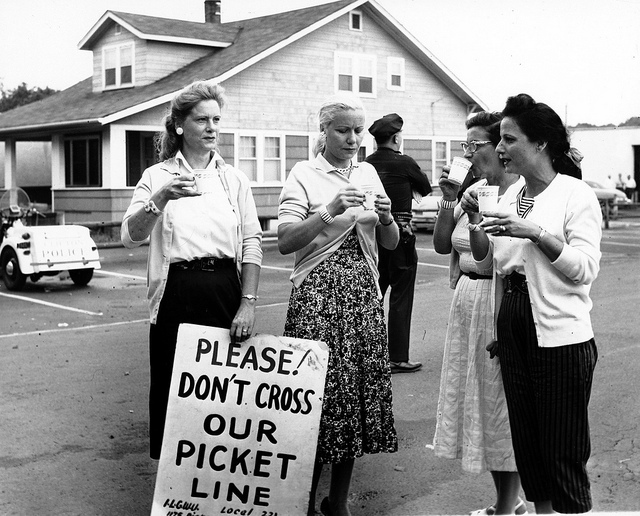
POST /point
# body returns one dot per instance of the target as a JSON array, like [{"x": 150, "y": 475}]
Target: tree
[
  {"x": 22, "y": 95},
  {"x": 633, "y": 121}
]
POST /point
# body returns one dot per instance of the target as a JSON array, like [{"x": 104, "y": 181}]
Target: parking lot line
[
  {"x": 53, "y": 305},
  {"x": 119, "y": 275},
  {"x": 57, "y": 330}
]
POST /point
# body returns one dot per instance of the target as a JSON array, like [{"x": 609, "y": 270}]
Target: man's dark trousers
[{"x": 398, "y": 270}]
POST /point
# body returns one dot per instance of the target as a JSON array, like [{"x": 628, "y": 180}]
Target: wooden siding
[
  {"x": 285, "y": 90},
  {"x": 266, "y": 198},
  {"x": 161, "y": 59},
  {"x": 421, "y": 151},
  {"x": 297, "y": 149},
  {"x": 92, "y": 204}
]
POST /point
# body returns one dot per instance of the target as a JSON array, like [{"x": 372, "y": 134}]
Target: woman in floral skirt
[{"x": 324, "y": 220}]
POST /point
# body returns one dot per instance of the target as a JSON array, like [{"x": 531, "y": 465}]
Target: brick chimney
[{"x": 212, "y": 11}]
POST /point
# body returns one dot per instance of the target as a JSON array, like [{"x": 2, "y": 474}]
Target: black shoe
[
  {"x": 325, "y": 507},
  {"x": 405, "y": 367}
]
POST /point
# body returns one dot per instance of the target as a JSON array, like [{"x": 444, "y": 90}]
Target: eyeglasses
[{"x": 473, "y": 145}]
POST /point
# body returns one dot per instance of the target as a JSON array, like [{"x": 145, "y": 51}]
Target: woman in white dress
[{"x": 472, "y": 420}]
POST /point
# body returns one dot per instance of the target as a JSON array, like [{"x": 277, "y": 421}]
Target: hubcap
[{"x": 10, "y": 267}]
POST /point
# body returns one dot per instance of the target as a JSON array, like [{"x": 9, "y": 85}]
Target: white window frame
[
  {"x": 261, "y": 137},
  {"x": 118, "y": 49},
  {"x": 353, "y": 14},
  {"x": 434, "y": 159},
  {"x": 118, "y": 29},
  {"x": 357, "y": 61},
  {"x": 392, "y": 64}
]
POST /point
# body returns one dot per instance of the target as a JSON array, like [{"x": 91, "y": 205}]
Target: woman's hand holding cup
[
  {"x": 347, "y": 197},
  {"x": 449, "y": 188}
]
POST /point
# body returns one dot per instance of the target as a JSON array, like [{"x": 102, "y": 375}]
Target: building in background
[
  {"x": 276, "y": 69},
  {"x": 608, "y": 151}
]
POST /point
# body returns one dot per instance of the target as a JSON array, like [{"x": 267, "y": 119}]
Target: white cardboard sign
[{"x": 242, "y": 425}]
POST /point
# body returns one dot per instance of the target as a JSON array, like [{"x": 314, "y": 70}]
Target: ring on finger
[{"x": 502, "y": 229}]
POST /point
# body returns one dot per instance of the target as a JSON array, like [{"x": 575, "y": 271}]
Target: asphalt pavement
[{"x": 73, "y": 378}]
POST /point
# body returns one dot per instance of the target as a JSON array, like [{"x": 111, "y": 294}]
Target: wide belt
[
  {"x": 476, "y": 276},
  {"x": 516, "y": 281},
  {"x": 402, "y": 216},
  {"x": 204, "y": 264}
]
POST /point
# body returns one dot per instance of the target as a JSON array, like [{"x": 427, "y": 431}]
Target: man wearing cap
[{"x": 401, "y": 177}]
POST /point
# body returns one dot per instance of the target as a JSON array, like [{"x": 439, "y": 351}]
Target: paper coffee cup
[
  {"x": 459, "y": 170},
  {"x": 487, "y": 198},
  {"x": 205, "y": 180},
  {"x": 369, "y": 192}
]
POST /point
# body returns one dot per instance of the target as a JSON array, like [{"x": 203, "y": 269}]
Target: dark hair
[
  {"x": 490, "y": 121},
  {"x": 168, "y": 142},
  {"x": 540, "y": 124}
]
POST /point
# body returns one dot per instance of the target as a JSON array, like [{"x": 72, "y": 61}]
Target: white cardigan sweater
[{"x": 559, "y": 290}]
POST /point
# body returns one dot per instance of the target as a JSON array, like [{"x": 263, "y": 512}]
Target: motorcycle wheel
[
  {"x": 12, "y": 276},
  {"x": 81, "y": 277}
]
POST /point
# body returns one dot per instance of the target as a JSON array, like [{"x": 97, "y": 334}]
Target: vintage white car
[{"x": 36, "y": 251}]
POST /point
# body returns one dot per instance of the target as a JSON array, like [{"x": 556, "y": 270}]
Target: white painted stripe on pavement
[
  {"x": 119, "y": 275},
  {"x": 52, "y": 305},
  {"x": 57, "y": 330},
  {"x": 433, "y": 265}
]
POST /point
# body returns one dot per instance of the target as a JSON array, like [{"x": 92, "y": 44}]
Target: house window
[
  {"x": 82, "y": 158},
  {"x": 141, "y": 154},
  {"x": 118, "y": 29},
  {"x": 272, "y": 161},
  {"x": 248, "y": 157},
  {"x": 362, "y": 154},
  {"x": 355, "y": 20},
  {"x": 118, "y": 66},
  {"x": 395, "y": 73},
  {"x": 356, "y": 73},
  {"x": 439, "y": 159}
]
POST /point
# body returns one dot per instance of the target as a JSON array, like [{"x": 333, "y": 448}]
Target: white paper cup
[
  {"x": 206, "y": 180},
  {"x": 487, "y": 198},
  {"x": 369, "y": 200},
  {"x": 459, "y": 170},
  {"x": 369, "y": 192}
]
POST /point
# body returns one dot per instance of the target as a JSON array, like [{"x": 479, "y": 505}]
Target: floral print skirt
[{"x": 338, "y": 303}]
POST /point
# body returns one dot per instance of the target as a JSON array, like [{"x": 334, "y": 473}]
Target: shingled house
[{"x": 276, "y": 70}]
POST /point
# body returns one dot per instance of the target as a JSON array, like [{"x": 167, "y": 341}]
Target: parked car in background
[
  {"x": 425, "y": 212},
  {"x": 611, "y": 197}
]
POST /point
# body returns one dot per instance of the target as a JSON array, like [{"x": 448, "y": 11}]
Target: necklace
[{"x": 345, "y": 171}]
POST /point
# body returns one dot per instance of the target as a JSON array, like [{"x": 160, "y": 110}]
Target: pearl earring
[{"x": 179, "y": 130}]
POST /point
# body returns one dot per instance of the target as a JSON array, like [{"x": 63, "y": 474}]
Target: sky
[{"x": 579, "y": 56}]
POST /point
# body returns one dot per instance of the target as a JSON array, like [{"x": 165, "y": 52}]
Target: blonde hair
[
  {"x": 342, "y": 101},
  {"x": 168, "y": 142}
]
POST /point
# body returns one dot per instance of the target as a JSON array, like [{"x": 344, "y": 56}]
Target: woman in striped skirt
[{"x": 545, "y": 248}]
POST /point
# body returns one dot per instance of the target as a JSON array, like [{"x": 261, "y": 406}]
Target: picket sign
[{"x": 242, "y": 425}]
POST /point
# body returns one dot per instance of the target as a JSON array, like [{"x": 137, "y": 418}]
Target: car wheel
[
  {"x": 81, "y": 277},
  {"x": 11, "y": 273}
]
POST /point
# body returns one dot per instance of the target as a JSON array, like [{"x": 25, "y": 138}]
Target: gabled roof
[
  {"x": 163, "y": 29},
  {"x": 253, "y": 40}
]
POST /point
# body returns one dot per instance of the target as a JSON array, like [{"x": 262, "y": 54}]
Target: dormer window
[
  {"x": 356, "y": 73},
  {"x": 117, "y": 66},
  {"x": 355, "y": 20}
]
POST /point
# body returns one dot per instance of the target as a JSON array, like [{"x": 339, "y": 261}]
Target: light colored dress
[{"x": 472, "y": 420}]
